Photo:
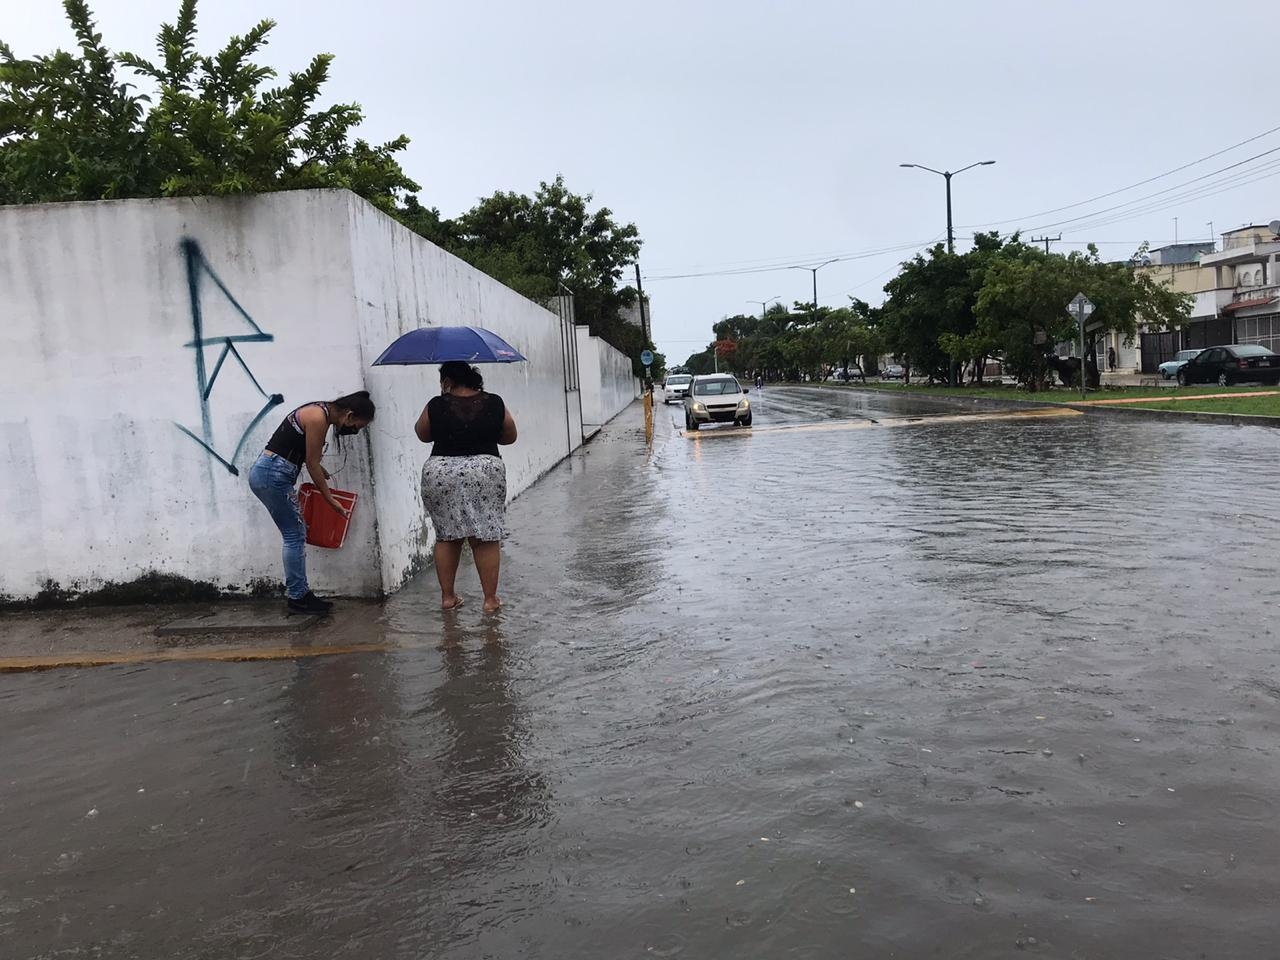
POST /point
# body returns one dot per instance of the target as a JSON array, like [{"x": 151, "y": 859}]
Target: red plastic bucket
[{"x": 325, "y": 527}]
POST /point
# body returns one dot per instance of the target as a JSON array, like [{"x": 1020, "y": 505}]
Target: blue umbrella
[{"x": 442, "y": 344}]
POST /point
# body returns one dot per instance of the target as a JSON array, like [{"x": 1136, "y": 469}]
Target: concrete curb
[{"x": 1134, "y": 412}]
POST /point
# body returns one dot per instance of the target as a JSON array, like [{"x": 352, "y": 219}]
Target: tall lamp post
[
  {"x": 763, "y": 304},
  {"x": 814, "y": 271},
  {"x": 947, "y": 175},
  {"x": 951, "y": 234}
]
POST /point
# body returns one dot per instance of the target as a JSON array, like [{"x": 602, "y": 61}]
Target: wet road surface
[{"x": 978, "y": 689}]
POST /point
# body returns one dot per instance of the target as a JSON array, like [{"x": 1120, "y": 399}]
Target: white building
[{"x": 1247, "y": 287}]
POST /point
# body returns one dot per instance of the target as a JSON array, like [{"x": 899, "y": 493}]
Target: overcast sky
[{"x": 746, "y": 134}]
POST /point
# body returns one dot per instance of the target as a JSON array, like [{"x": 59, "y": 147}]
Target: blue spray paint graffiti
[{"x": 197, "y": 270}]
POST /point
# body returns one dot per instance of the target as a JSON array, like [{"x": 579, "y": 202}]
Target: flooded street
[{"x": 835, "y": 686}]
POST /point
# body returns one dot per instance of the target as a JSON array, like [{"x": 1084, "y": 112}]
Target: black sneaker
[{"x": 309, "y": 603}]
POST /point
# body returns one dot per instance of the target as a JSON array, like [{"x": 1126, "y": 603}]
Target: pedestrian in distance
[
  {"x": 759, "y": 383},
  {"x": 1111, "y": 359},
  {"x": 464, "y": 481},
  {"x": 273, "y": 478}
]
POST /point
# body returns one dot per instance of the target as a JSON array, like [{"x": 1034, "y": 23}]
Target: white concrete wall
[
  {"x": 402, "y": 282},
  {"x": 608, "y": 384},
  {"x": 589, "y": 361},
  {"x": 96, "y": 376},
  {"x": 619, "y": 386},
  {"x": 98, "y": 310}
]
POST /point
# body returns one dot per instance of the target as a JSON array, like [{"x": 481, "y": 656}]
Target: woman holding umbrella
[{"x": 464, "y": 482}]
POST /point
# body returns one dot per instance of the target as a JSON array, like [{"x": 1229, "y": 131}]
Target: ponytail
[{"x": 358, "y": 403}]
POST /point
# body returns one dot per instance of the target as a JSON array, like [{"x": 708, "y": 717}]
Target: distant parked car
[
  {"x": 675, "y": 387},
  {"x": 1231, "y": 364},
  {"x": 1169, "y": 369},
  {"x": 894, "y": 371},
  {"x": 716, "y": 398},
  {"x": 852, "y": 372}
]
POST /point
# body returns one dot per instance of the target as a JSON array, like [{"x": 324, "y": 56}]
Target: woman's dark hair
[
  {"x": 462, "y": 374},
  {"x": 358, "y": 403}
]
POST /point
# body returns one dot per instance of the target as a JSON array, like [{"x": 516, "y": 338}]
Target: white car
[
  {"x": 716, "y": 398},
  {"x": 1169, "y": 369},
  {"x": 675, "y": 387}
]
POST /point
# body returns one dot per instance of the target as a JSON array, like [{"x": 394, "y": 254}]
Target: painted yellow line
[
  {"x": 108, "y": 658},
  {"x": 1035, "y": 413}
]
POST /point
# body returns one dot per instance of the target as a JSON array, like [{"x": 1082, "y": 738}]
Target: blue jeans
[{"x": 272, "y": 481}]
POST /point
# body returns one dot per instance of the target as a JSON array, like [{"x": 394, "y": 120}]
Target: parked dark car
[{"x": 1226, "y": 365}]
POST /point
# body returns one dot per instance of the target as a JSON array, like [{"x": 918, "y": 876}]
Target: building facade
[{"x": 1236, "y": 291}]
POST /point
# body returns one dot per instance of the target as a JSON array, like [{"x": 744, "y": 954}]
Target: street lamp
[
  {"x": 814, "y": 271},
  {"x": 947, "y": 175},
  {"x": 763, "y": 304}
]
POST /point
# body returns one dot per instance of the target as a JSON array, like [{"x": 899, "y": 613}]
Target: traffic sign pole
[{"x": 1082, "y": 307}]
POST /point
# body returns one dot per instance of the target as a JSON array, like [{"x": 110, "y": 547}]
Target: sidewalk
[
  {"x": 225, "y": 630},
  {"x": 1126, "y": 378}
]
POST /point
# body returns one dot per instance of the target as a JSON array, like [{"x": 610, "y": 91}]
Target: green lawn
[
  {"x": 1249, "y": 406},
  {"x": 1063, "y": 395}
]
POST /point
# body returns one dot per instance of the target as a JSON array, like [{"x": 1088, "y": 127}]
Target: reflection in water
[{"x": 482, "y": 769}]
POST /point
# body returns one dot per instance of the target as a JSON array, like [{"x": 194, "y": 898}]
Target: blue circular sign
[{"x": 646, "y": 358}]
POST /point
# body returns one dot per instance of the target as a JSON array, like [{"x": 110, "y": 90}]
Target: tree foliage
[
  {"x": 789, "y": 344},
  {"x": 545, "y": 245},
  {"x": 1001, "y": 299},
  {"x": 928, "y": 315},
  {"x": 71, "y": 129},
  {"x": 1021, "y": 309}
]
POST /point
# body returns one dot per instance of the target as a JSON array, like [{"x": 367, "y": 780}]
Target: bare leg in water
[
  {"x": 488, "y": 554},
  {"x": 448, "y": 556}
]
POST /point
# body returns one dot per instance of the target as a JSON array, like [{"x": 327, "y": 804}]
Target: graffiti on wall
[{"x": 199, "y": 274}]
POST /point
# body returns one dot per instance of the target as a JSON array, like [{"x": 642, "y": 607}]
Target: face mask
[{"x": 346, "y": 431}]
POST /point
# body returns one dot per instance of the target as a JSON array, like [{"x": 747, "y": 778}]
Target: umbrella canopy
[{"x": 442, "y": 344}]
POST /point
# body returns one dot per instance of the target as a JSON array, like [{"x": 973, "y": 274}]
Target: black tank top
[
  {"x": 466, "y": 426},
  {"x": 290, "y": 439}
]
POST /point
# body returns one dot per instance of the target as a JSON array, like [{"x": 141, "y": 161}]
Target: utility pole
[
  {"x": 644, "y": 314},
  {"x": 1175, "y": 231},
  {"x": 1213, "y": 238},
  {"x": 1046, "y": 241}
]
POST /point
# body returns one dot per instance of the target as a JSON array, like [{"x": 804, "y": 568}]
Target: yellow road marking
[
  {"x": 1035, "y": 413},
  {"x": 107, "y": 658}
]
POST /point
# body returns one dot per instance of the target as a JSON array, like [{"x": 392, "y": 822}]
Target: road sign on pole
[
  {"x": 1081, "y": 306},
  {"x": 646, "y": 358}
]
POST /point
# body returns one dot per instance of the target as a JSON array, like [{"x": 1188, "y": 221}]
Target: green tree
[
  {"x": 1022, "y": 307},
  {"x": 929, "y": 313},
  {"x": 71, "y": 129},
  {"x": 542, "y": 245}
]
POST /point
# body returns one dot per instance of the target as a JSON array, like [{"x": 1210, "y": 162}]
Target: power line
[
  {"x": 1200, "y": 193},
  {"x": 1132, "y": 186},
  {"x": 1166, "y": 190}
]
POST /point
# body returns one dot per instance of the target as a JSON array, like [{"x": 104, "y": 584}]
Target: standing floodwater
[{"x": 836, "y": 686}]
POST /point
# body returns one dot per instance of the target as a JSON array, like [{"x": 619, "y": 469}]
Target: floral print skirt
[{"x": 466, "y": 497}]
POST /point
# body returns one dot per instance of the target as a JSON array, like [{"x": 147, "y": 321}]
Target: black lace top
[{"x": 466, "y": 426}]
